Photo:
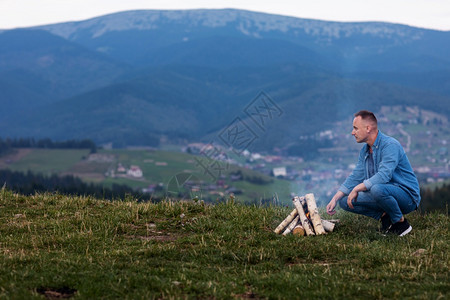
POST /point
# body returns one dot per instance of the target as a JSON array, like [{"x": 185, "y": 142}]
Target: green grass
[{"x": 173, "y": 250}]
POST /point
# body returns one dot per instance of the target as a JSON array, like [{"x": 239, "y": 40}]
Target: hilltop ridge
[{"x": 248, "y": 22}]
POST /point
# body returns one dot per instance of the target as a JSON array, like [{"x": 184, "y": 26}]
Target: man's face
[{"x": 360, "y": 130}]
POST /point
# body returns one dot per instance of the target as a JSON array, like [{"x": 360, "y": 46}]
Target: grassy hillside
[{"x": 88, "y": 248}]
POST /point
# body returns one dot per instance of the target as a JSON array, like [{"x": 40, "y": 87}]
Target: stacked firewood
[{"x": 304, "y": 219}]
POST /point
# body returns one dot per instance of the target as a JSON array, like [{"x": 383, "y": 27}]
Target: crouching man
[{"x": 382, "y": 185}]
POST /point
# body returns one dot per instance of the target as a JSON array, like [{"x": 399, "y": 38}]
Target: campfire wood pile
[{"x": 304, "y": 219}]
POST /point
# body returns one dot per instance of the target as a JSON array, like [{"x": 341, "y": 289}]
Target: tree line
[
  {"x": 30, "y": 183},
  {"x": 8, "y": 144},
  {"x": 437, "y": 199}
]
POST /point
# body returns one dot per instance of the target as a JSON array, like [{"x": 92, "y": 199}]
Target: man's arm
[
  {"x": 352, "y": 181},
  {"x": 389, "y": 161},
  {"x": 352, "y": 196}
]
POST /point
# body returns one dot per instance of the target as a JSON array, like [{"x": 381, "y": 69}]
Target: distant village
[
  {"x": 336, "y": 163},
  {"x": 287, "y": 168}
]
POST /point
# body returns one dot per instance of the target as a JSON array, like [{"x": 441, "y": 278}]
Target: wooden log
[
  {"x": 305, "y": 207},
  {"x": 335, "y": 221},
  {"x": 303, "y": 219},
  {"x": 314, "y": 214},
  {"x": 303, "y": 203},
  {"x": 328, "y": 226},
  {"x": 286, "y": 221},
  {"x": 291, "y": 226},
  {"x": 299, "y": 230}
]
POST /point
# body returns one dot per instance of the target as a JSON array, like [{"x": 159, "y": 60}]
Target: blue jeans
[{"x": 382, "y": 198}]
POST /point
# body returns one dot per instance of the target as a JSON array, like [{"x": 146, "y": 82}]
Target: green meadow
[
  {"x": 48, "y": 161},
  {"x": 158, "y": 167}
]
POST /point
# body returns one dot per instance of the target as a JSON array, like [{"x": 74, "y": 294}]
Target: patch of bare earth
[
  {"x": 57, "y": 293},
  {"x": 248, "y": 294}
]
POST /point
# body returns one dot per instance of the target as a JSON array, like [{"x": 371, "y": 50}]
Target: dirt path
[
  {"x": 408, "y": 137},
  {"x": 18, "y": 154}
]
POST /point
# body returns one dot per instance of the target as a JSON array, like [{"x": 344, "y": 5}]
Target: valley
[{"x": 252, "y": 177}]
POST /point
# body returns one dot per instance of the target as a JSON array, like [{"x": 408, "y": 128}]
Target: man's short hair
[{"x": 367, "y": 116}]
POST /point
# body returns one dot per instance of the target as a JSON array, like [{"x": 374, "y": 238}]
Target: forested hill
[{"x": 136, "y": 77}]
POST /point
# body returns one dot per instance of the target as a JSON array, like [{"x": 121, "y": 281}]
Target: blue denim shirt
[{"x": 391, "y": 167}]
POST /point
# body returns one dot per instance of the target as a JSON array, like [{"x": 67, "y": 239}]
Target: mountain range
[{"x": 146, "y": 77}]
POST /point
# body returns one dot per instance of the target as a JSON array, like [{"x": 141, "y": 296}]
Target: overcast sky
[{"x": 434, "y": 14}]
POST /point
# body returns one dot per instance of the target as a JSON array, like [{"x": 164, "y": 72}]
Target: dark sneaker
[
  {"x": 385, "y": 223},
  {"x": 400, "y": 228}
]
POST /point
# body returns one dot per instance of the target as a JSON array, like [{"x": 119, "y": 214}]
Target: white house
[
  {"x": 281, "y": 171},
  {"x": 135, "y": 171}
]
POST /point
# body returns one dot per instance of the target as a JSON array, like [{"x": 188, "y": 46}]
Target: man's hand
[
  {"x": 332, "y": 204},
  {"x": 354, "y": 194},
  {"x": 330, "y": 207}
]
